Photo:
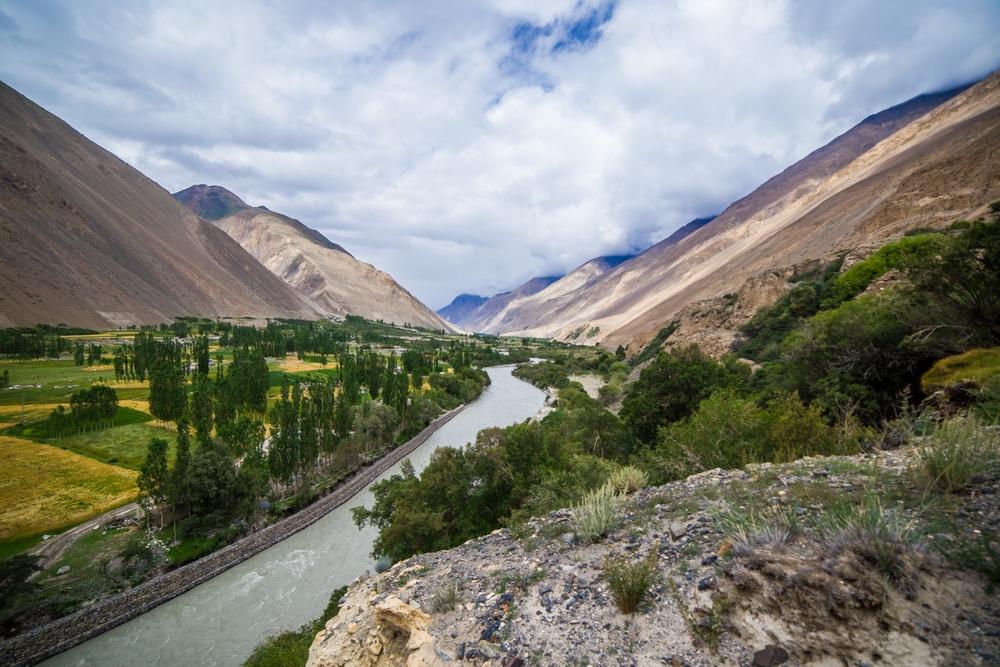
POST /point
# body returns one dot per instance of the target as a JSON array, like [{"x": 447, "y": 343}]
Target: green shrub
[
  {"x": 291, "y": 649},
  {"x": 627, "y": 479},
  {"x": 597, "y": 514},
  {"x": 958, "y": 451},
  {"x": 630, "y": 581}
]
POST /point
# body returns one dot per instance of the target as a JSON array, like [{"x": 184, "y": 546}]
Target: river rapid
[{"x": 219, "y": 622}]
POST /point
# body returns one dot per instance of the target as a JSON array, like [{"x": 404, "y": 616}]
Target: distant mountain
[
  {"x": 479, "y": 319},
  {"x": 211, "y": 202},
  {"x": 922, "y": 163},
  {"x": 461, "y": 307},
  {"x": 87, "y": 240},
  {"x": 525, "y": 309},
  {"x": 325, "y": 273}
]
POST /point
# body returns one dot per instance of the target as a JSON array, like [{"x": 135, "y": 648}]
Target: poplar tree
[{"x": 153, "y": 475}]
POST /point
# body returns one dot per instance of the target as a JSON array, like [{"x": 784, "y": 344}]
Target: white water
[{"x": 220, "y": 621}]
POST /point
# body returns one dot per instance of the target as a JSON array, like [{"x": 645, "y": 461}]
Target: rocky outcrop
[{"x": 375, "y": 631}]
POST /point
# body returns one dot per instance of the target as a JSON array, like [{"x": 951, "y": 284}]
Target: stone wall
[{"x": 46, "y": 641}]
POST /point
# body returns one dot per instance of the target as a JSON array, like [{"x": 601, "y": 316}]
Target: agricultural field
[{"x": 44, "y": 489}]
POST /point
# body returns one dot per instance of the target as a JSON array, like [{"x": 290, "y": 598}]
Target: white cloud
[{"x": 468, "y": 147}]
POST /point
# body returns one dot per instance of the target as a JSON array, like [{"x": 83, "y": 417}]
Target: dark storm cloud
[{"x": 465, "y": 147}]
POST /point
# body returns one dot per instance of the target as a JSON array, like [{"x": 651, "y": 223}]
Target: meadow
[{"x": 45, "y": 489}]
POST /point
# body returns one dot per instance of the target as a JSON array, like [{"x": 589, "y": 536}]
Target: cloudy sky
[{"x": 468, "y": 146}]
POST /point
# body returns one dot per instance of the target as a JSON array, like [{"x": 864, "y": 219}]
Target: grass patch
[
  {"x": 959, "y": 451},
  {"x": 446, "y": 598},
  {"x": 123, "y": 446},
  {"x": 628, "y": 479},
  {"x": 881, "y": 537},
  {"x": 981, "y": 366},
  {"x": 43, "y": 488},
  {"x": 39, "y": 429}
]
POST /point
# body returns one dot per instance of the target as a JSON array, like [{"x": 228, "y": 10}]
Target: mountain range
[
  {"x": 86, "y": 240},
  {"x": 926, "y": 162}
]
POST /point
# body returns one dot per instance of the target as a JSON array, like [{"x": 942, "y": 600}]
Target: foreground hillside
[
  {"x": 87, "y": 240},
  {"x": 772, "y": 565}
]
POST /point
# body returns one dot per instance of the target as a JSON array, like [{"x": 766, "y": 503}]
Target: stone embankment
[
  {"x": 539, "y": 596},
  {"x": 42, "y": 643}
]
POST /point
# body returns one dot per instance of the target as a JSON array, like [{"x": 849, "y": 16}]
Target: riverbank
[{"x": 44, "y": 642}]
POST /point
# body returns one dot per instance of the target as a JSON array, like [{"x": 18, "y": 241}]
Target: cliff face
[
  {"x": 536, "y": 596},
  {"x": 89, "y": 241},
  {"x": 325, "y": 273}
]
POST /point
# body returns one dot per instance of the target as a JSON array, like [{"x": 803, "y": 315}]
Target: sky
[{"x": 465, "y": 147}]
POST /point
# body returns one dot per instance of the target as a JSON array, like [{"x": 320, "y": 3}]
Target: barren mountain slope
[
  {"x": 526, "y": 309},
  {"x": 938, "y": 169},
  {"x": 324, "y": 272},
  {"x": 633, "y": 300},
  {"x": 461, "y": 307},
  {"x": 89, "y": 241},
  {"x": 482, "y": 318}
]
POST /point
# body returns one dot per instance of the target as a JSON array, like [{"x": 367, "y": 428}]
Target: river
[{"x": 219, "y": 622}]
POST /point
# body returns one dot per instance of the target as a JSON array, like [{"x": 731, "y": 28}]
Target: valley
[{"x": 770, "y": 437}]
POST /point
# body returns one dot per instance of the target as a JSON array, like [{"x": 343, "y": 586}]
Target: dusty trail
[{"x": 53, "y": 548}]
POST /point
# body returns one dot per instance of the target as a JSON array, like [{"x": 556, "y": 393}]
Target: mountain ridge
[
  {"x": 324, "y": 273},
  {"x": 88, "y": 240},
  {"x": 629, "y": 303}
]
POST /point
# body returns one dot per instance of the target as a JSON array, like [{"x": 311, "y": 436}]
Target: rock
[
  {"x": 769, "y": 656},
  {"x": 678, "y": 530},
  {"x": 63, "y": 570},
  {"x": 512, "y": 661},
  {"x": 487, "y": 649}
]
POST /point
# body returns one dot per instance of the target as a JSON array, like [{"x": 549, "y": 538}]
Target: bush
[
  {"x": 291, "y": 649},
  {"x": 959, "y": 450},
  {"x": 597, "y": 514},
  {"x": 671, "y": 388},
  {"x": 383, "y": 564},
  {"x": 627, "y": 479},
  {"x": 629, "y": 582}
]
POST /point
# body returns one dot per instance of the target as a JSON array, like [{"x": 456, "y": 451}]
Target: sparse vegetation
[
  {"x": 881, "y": 537},
  {"x": 630, "y": 581},
  {"x": 446, "y": 598}
]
